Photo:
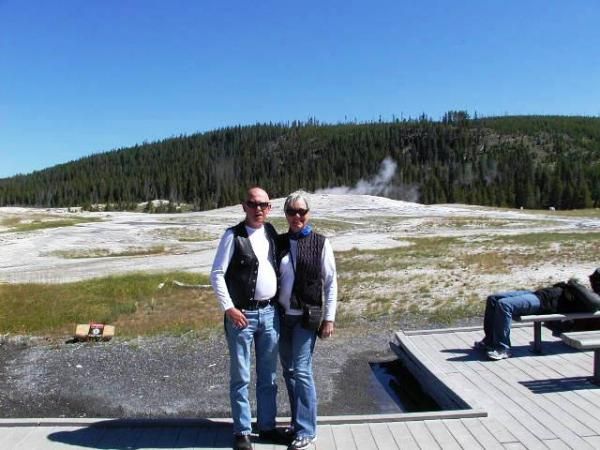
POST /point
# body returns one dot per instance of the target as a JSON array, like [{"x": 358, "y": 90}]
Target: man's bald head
[{"x": 256, "y": 206}]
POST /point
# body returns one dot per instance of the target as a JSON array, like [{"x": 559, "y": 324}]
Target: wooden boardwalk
[{"x": 533, "y": 401}]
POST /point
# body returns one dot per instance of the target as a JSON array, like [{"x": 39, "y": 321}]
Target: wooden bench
[
  {"x": 538, "y": 319},
  {"x": 586, "y": 340}
]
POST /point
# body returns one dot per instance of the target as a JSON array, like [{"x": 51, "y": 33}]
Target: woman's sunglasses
[{"x": 293, "y": 212}]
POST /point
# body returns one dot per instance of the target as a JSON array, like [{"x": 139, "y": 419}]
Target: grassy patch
[
  {"x": 331, "y": 227},
  {"x": 589, "y": 213},
  {"x": 422, "y": 251},
  {"x": 537, "y": 239},
  {"x": 186, "y": 234},
  {"x": 378, "y": 307},
  {"x": 279, "y": 223},
  {"x": 327, "y": 227},
  {"x": 105, "y": 252},
  {"x": 15, "y": 224},
  {"x": 483, "y": 223},
  {"x": 133, "y": 303},
  {"x": 495, "y": 254},
  {"x": 451, "y": 311}
]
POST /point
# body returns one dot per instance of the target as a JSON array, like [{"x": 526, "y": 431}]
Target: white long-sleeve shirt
[
  {"x": 266, "y": 280},
  {"x": 328, "y": 278}
]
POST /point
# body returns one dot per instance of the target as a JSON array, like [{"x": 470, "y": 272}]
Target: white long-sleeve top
[
  {"x": 266, "y": 280},
  {"x": 328, "y": 278}
]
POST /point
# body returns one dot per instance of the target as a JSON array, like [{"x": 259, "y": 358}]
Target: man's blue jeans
[
  {"x": 263, "y": 331},
  {"x": 296, "y": 347},
  {"x": 500, "y": 308}
]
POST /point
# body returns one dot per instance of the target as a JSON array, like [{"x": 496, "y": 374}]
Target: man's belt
[{"x": 258, "y": 304}]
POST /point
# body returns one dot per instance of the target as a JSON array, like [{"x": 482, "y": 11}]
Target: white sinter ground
[{"x": 121, "y": 242}]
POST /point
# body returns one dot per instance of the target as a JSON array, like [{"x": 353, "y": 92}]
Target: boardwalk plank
[
  {"x": 500, "y": 407},
  {"x": 189, "y": 437},
  {"x": 264, "y": 445},
  {"x": 594, "y": 441},
  {"x": 481, "y": 434},
  {"x": 38, "y": 439},
  {"x": 325, "y": 439},
  {"x": 430, "y": 347},
  {"x": 568, "y": 368},
  {"x": 556, "y": 404},
  {"x": 499, "y": 431},
  {"x": 222, "y": 438},
  {"x": 441, "y": 434},
  {"x": 363, "y": 439},
  {"x": 77, "y": 437},
  {"x": 560, "y": 423},
  {"x": 557, "y": 444},
  {"x": 422, "y": 435},
  {"x": 393, "y": 436},
  {"x": 462, "y": 434},
  {"x": 586, "y": 412},
  {"x": 403, "y": 437},
  {"x": 343, "y": 437},
  {"x": 510, "y": 370},
  {"x": 13, "y": 436},
  {"x": 158, "y": 438},
  {"x": 121, "y": 437}
]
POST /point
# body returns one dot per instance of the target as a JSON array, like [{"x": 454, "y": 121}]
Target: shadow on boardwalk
[{"x": 128, "y": 434}]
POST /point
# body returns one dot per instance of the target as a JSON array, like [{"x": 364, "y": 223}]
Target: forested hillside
[{"x": 530, "y": 161}]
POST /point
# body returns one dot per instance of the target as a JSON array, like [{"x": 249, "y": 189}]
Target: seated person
[{"x": 500, "y": 308}]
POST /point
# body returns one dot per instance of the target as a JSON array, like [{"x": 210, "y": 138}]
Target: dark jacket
[
  {"x": 564, "y": 298},
  {"x": 243, "y": 268},
  {"x": 551, "y": 299}
]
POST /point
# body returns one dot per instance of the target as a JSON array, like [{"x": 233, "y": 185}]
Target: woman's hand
[{"x": 326, "y": 329}]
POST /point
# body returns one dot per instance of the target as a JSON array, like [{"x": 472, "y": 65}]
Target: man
[
  {"x": 244, "y": 277},
  {"x": 500, "y": 308}
]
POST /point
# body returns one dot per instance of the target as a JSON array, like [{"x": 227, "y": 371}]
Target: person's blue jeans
[
  {"x": 500, "y": 308},
  {"x": 296, "y": 346},
  {"x": 263, "y": 332}
]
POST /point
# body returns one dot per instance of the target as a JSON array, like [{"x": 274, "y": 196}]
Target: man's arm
[
  {"x": 219, "y": 268},
  {"x": 217, "y": 279}
]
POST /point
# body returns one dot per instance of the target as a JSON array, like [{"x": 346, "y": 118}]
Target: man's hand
[
  {"x": 237, "y": 318},
  {"x": 326, "y": 329}
]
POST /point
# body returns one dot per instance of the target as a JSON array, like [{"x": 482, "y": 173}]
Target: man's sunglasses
[
  {"x": 292, "y": 212},
  {"x": 254, "y": 205}
]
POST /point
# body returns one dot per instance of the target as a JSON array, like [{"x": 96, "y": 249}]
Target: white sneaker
[
  {"x": 497, "y": 355},
  {"x": 302, "y": 443}
]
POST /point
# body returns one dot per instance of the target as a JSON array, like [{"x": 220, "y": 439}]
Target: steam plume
[{"x": 380, "y": 184}]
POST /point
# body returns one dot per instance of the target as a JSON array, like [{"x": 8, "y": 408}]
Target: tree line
[{"x": 513, "y": 161}]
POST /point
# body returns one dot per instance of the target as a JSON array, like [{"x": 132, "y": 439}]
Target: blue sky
[{"x": 80, "y": 77}]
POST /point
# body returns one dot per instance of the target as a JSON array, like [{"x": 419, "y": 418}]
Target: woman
[{"x": 308, "y": 288}]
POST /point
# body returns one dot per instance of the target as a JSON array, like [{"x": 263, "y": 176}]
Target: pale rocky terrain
[{"x": 360, "y": 222}]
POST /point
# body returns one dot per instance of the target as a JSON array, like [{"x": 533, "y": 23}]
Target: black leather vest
[
  {"x": 308, "y": 286},
  {"x": 243, "y": 268}
]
